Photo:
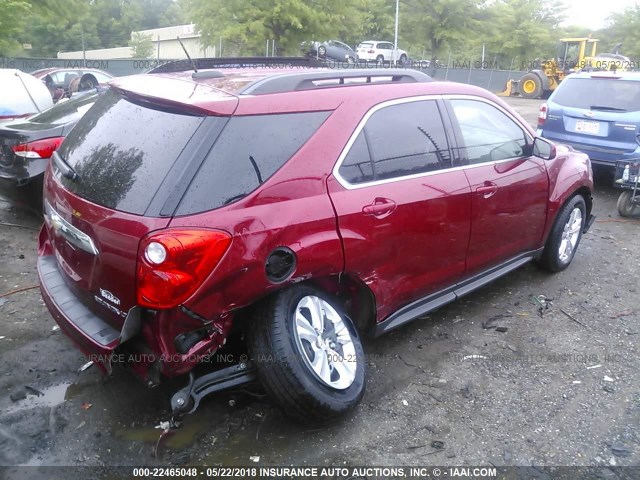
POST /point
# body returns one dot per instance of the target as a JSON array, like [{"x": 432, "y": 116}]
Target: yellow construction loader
[{"x": 574, "y": 54}]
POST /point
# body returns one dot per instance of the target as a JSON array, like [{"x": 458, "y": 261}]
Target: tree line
[{"x": 511, "y": 31}]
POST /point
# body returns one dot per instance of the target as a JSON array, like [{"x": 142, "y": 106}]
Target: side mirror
[{"x": 543, "y": 148}]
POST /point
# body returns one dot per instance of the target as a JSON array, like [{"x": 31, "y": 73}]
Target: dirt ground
[{"x": 557, "y": 389}]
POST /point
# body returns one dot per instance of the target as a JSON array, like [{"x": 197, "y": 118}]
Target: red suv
[{"x": 294, "y": 210}]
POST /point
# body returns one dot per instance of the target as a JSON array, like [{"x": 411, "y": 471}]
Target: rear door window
[
  {"x": 397, "y": 141},
  {"x": 249, "y": 151},
  {"x": 122, "y": 151},
  {"x": 599, "y": 93}
]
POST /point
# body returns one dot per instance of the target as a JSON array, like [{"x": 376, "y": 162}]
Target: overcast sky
[{"x": 593, "y": 13}]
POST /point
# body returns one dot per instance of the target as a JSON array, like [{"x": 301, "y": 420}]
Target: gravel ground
[{"x": 553, "y": 389}]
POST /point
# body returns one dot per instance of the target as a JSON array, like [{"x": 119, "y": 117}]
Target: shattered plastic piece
[
  {"x": 594, "y": 366},
  {"x": 608, "y": 379},
  {"x": 576, "y": 382},
  {"x": 86, "y": 405},
  {"x": 2, "y": 337},
  {"x": 473, "y": 357},
  {"x": 501, "y": 329},
  {"x": 163, "y": 426},
  {"x": 437, "y": 444},
  {"x": 82, "y": 424},
  {"x": 55, "y": 328},
  {"x": 85, "y": 366},
  {"x": 254, "y": 458},
  {"x": 404, "y": 402}
]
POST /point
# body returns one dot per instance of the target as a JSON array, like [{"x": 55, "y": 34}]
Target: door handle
[
  {"x": 381, "y": 207},
  {"x": 488, "y": 189}
]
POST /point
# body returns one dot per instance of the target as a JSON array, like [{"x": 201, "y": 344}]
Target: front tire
[
  {"x": 626, "y": 208},
  {"x": 308, "y": 355},
  {"x": 530, "y": 86},
  {"x": 565, "y": 235}
]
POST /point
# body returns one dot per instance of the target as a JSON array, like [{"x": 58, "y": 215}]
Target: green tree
[
  {"x": 250, "y": 23},
  {"x": 624, "y": 27},
  {"x": 435, "y": 24},
  {"x": 141, "y": 45},
  {"x": 12, "y": 19}
]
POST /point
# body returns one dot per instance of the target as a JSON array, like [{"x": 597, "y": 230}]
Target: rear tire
[
  {"x": 294, "y": 361},
  {"x": 565, "y": 235},
  {"x": 322, "y": 51},
  {"x": 625, "y": 207},
  {"x": 379, "y": 59},
  {"x": 530, "y": 86}
]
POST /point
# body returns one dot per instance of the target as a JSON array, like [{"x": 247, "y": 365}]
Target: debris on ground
[
  {"x": 33, "y": 391},
  {"x": 544, "y": 304},
  {"x": 620, "y": 450},
  {"x": 438, "y": 444},
  {"x": 254, "y": 458},
  {"x": 573, "y": 318},
  {"x": 608, "y": 379},
  {"x": 473, "y": 357},
  {"x": 488, "y": 324},
  {"x": 501, "y": 329},
  {"x": 85, "y": 366},
  {"x": 405, "y": 403},
  {"x": 86, "y": 405},
  {"x": 18, "y": 395},
  {"x": 594, "y": 366}
]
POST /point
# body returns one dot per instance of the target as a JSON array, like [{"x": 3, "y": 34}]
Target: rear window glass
[
  {"x": 599, "y": 92},
  {"x": 122, "y": 151},
  {"x": 365, "y": 45},
  {"x": 249, "y": 150}
]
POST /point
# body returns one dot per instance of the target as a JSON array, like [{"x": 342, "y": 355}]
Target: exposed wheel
[
  {"x": 626, "y": 208},
  {"x": 380, "y": 59},
  {"x": 308, "y": 355},
  {"x": 403, "y": 59},
  {"x": 351, "y": 60},
  {"x": 322, "y": 50},
  {"x": 565, "y": 235},
  {"x": 531, "y": 86}
]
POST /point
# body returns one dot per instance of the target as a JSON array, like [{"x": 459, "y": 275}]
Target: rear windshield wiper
[
  {"x": 604, "y": 107},
  {"x": 66, "y": 169}
]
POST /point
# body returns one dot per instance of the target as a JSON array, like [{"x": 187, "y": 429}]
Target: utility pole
[
  {"x": 395, "y": 38},
  {"x": 158, "y": 54},
  {"x": 84, "y": 54}
]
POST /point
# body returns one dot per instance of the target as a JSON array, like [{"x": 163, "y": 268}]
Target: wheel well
[
  {"x": 355, "y": 297},
  {"x": 588, "y": 199}
]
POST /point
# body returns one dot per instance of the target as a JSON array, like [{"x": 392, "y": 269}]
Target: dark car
[
  {"x": 331, "y": 49},
  {"x": 27, "y": 145},
  {"x": 597, "y": 113},
  {"x": 64, "y": 82},
  {"x": 292, "y": 212}
]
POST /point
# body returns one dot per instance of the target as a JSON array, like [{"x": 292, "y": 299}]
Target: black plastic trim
[
  {"x": 448, "y": 295},
  {"x": 85, "y": 320}
]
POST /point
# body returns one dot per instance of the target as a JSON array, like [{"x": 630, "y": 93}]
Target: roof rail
[
  {"x": 237, "y": 62},
  {"x": 288, "y": 82}
]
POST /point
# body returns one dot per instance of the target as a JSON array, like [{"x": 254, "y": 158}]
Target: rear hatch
[
  {"x": 598, "y": 115},
  {"x": 365, "y": 48},
  {"x": 127, "y": 152}
]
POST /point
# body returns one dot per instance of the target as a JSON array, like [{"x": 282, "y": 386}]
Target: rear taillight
[
  {"x": 173, "y": 263},
  {"x": 38, "y": 149},
  {"x": 542, "y": 115},
  {"x": 371, "y": 51}
]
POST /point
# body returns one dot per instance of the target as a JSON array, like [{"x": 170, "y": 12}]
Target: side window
[
  {"x": 489, "y": 135},
  {"x": 249, "y": 150},
  {"x": 403, "y": 139}
]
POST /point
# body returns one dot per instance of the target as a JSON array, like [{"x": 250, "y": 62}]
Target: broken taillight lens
[
  {"x": 38, "y": 149},
  {"x": 173, "y": 263}
]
